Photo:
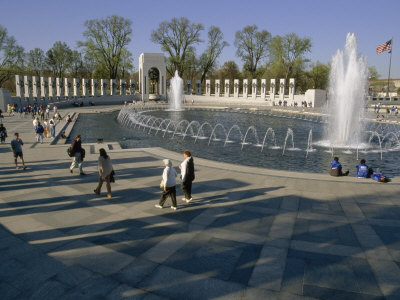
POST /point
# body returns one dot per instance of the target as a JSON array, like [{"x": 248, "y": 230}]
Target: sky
[{"x": 40, "y": 23}]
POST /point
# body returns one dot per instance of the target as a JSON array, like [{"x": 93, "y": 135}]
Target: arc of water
[
  {"x": 379, "y": 140},
  {"x": 178, "y": 126},
  {"x": 213, "y": 131},
  {"x": 163, "y": 122},
  {"x": 152, "y": 125},
  {"x": 288, "y": 133},
  {"x": 147, "y": 123},
  {"x": 265, "y": 137},
  {"x": 229, "y": 132},
  {"x": 254, "y": 130},
  {"x": 201, "y": 127},
  {"x": 190, "y": 126},
  {"x": 309, "y": 143},
  {"x": 391, "y": 134},
  {"x": 166, "y": 129}
]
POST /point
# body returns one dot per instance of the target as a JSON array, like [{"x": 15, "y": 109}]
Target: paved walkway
[{"x": 249, "y": 233}]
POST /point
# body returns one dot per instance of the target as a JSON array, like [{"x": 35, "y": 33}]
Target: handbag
[{"x": 112, "y": 174}]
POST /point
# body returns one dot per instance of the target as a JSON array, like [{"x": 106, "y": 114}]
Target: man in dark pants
[
  {"x": 78, "y": 155},
  {"x": 187, "y": 174}
]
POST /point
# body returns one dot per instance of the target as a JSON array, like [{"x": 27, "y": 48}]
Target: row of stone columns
[
  {"x": 48, "y": 88},
  {"x": 250, "y": 89}
]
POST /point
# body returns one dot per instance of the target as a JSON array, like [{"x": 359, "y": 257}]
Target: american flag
[{"x": 384, "y": 47}]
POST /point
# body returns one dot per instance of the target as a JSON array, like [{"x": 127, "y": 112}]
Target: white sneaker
[
  {"x": 158, "y": 206},
  {"x": 188, "y": 200},
  {"x": 173, "y": 207},
  {"x": 184, "y": 199}
]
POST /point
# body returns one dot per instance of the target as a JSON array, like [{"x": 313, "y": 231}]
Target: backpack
[
  {"x": 39, "y": 129},
  {"x": 69, "y": 152}
]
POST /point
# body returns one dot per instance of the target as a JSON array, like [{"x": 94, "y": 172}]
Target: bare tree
[
  {"x": 177, "y": 38},
  {"x": 216, "y": 43},
  {"x": 106, "y": 39}
]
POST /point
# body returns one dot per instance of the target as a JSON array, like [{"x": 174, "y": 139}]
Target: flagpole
[{"x": 390, "y": 65}]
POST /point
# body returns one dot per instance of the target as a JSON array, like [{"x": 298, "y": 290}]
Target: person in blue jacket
[
  {"x": 363, "y": 171},
  {"x": 336, "y": 168}
]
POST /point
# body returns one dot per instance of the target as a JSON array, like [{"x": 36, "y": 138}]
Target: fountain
[
  {"x": 348, "y": 86},
  {"x": 175, "y": 94}
]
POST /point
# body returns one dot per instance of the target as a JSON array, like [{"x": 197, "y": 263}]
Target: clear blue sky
[{"x": 40, "y": 23}]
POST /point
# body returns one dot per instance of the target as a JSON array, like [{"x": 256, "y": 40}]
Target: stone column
[
  {"x": 44, "y": 87},
  {"x": 263, "y": 88},
  {"x": 254, "y": 88},
  {"x": 103, "y": 91},
  {"x": 292, "y": 88},
  {"x": 19, "y": 86},
  {"x": 236, "y": 86},
  {"x": 245, "y": 88},
  {"x": 67, "y": 88},
  {"x": 52, "y": 88},
  {"x": 208, "y": 87},
  {"x": 36, "y": 87},
  {"x": 28, "y": 88},
  {"x": 226, "y": 88},
  {"x": 132, "y": 87},
  {"x": 112, "y": 87},
  {"x": 282, "y": 89},
  {"x": 85, "y": 87},
  {"x": 77, "y": 85},
  {"x": 272, "y": 91},
  {"x": 217, "y": 87},
  {"x": 95, "y": 85},
  {"x": 60, "y": 86},
  {"x": 198, "y": 87},
  {"x": 122, "y": 87}
]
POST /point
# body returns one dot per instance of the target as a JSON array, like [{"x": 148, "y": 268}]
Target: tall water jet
[
  {"x": 348, "y": 86},
  {"x": 175, "y": 94}
]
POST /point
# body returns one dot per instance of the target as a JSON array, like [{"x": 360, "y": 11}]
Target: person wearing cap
[{"x": 168, "y": 184}]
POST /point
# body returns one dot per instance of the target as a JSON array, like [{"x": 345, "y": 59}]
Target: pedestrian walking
[
  {"x": 105, "y": 170},
  {"x": 168, "y": 184},
  {"x": 3, "y": 133},
  {"x": 78, "y": 154},
  {"x": 187, "y": 175},
  {"x": 52, "y": 127},
  {"x": 16, "y": 146},
  {"x": 39, "y": 130}
]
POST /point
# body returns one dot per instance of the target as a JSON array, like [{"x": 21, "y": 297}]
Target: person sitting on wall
[
  {"x": 76, "y": 104},
  {"x": 363, "y": 171},
  {"x": 69, "y": 120},
  {"x": 81, "y": 104},
  {"x": 336, "y": 168},
  {"x": 91, "y": 103}
]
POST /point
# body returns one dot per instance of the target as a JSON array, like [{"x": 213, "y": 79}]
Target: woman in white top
[
  {"x": 168, "y": 184},
  {"x": 105, "y": 169}
]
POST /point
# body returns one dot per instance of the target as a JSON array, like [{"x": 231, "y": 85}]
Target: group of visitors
[
  {"x": 362, "y": 171},
  {"x": 168, "y": 182}
]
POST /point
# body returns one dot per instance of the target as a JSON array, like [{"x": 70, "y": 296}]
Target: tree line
[{"x": 103, "y": 53}]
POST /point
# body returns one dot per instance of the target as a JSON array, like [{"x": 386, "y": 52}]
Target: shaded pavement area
[{"x": 248, "y": 234}]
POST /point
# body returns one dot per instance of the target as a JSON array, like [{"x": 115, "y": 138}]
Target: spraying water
[
  {"x": 176, "y": 93},
  {"x": 348, "y": 85}
]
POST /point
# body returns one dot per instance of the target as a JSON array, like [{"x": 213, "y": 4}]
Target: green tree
[
  {"x": 126, "y": 63},
  {"x": 76, "y": 67},
  {"x": 373, "y": 73},
  {"x": 58, "y": 58},
  {"x": 252, "y": 46},
  {"x": 35, "y": 61},
  {"x": 11, "y": 56},
  {"x": 216, "y": 43},
  {"x": 288, "y": 55},
  {"x": 106, "y": 40},
  {"x": 177, "y": 38},
  {"x": 318, "y": 75}
]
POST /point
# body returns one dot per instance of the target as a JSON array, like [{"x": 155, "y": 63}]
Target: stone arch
[{"x": 148, "y": 62}]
